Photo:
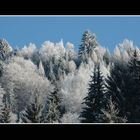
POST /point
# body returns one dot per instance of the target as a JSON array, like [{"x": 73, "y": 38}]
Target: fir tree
[
  {"x": 5, "y": 110},
  {"x": 134, "y": 102},
  {"x": 89, "y": 43},
  {"x": 111, "y": 113},
  {"x": 134, "y": 67},
  {"x": 106, "y": 57},
  {"x": 95, "y": 100},
  {"x": 51, "y": 112},
  {"x": 1, "y": 68},
  {"x": 5, "y": 49},
  {"x": 119, "y": 87},
  {"x": 32, "y": 112},
  {"x": 41, "y": 69}
]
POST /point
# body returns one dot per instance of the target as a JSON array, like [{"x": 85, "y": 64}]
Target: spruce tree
[
  {"x": 5, "y": 49},
  {"x": 106, "y": 57},
  {"x": 88, "y": 44},
  {"x": 1, "y": 68},
  {"x": 41, "y": 69},
  {"x": 134, "y": 66},
  {"x": 32, "y": 112},
  {"x": 111, "y": 113},
  {"x": 95, "y": 100},
  {"x": 51, "y": 112},
  {"x": 119, "y": 87},
  {"x": 5, "y": 110},
  {"x": 134, "y": 102}
]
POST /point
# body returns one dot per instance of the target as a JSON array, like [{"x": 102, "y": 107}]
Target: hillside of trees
[{"x": 56, "y": 84}]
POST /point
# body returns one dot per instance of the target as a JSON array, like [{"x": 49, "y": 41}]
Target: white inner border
[{"x": 69, "y": 15}]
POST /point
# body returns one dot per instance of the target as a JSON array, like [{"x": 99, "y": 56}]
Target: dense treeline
[{"x": 56, "y": 84}]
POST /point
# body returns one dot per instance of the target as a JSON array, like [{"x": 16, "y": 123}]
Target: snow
[{"x": 23, "y": 78}]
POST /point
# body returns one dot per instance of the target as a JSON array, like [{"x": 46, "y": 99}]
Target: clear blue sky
[{"x": 110, "y": 31}]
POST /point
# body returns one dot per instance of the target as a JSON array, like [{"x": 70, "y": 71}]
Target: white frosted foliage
[
  {"x": 70, "y": 118},
  {"x": 41, "y": 69}
]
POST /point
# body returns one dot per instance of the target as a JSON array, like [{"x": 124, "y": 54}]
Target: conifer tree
[
  {"x": 51, "y": 112},
  {"x": 134, "y": 67},
  {"x": 1, "y": 68},
  {"x": 95, "y": 100},
  {"x": 32, "y": 112},
  {"x": 89, "y": 43},
  {"x": 5, "y": 49},
  {"x": 5, "y": 110},
  {"x": 133, "y": 102},
  {"x": 41, "y": 69},
  {"x": 111, "y": 113},
  {"x": 119, "y": 88},
  {"x": 106, "y": 57}
]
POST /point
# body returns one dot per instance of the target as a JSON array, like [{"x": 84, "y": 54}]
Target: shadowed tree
[{"x": 95, "y": 100}]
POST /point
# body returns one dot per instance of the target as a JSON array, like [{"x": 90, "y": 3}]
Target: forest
[{"x": 55, "y": 83}]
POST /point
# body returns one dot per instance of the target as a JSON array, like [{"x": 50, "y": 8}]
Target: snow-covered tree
[
  {"x": 74, "y": 87},
  {"x": 124, "y": 51},
  {"x": 5, "y": 110},
  {"x": 71, "y": 66},
  {"x": 107, "y": 57},
  {"x": 117, "y": 53},
  {"x": 134, "y": 66},
  {"x": 5, "y": 49},
  {"x": 32, "y": 113},
  {"x": 127, "y": 45},
  {"x": 89, "y": 43},
  {"x": 50, "y": 50},
  {"x": 70, "y": 117},
  {"x": 51, "y": 112},
  {"x": 1, "y": 67},
  {"x": 111, "y": 114},
  {"x": 24, "y": 80},
  {"x": 41, "y": 69},
  {"x": 28, "y": 51},
  {"x": 70, "y": 52}
]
